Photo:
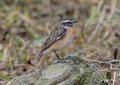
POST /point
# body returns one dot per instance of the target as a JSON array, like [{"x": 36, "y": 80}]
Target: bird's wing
[{"x": 55, "y": 35}]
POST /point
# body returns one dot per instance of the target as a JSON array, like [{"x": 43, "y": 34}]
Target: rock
[{"x": 76, "y": 71}]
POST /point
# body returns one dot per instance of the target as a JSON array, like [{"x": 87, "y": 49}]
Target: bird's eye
[{"x": 69, "y": 22}]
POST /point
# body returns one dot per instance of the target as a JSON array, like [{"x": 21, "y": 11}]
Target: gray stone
[{"x": 76, "y": 71}]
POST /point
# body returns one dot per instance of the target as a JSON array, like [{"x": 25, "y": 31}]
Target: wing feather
[{"x": 55, "y": 35}]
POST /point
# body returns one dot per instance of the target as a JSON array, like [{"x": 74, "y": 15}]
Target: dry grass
[{"x": 25, "y": 25}]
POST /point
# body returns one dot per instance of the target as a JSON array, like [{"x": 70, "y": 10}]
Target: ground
[{"x": 26, "y": 24}]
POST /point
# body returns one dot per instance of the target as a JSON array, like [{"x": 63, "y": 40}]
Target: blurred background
[{"x": 26, "y": 24}]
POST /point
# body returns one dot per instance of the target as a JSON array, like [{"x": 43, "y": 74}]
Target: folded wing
[{"x": 55, "y": 35}]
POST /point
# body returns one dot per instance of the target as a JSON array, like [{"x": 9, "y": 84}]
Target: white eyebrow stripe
[{"x": 67, "y": 21}]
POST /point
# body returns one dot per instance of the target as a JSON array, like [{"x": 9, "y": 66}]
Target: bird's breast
[{"x": 66, "y": 41}]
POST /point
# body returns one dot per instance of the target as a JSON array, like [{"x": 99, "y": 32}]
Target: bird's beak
[{"x": 75, "y": 21}]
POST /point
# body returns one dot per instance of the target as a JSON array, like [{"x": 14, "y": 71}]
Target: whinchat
[{"x": 59, "y": 39}]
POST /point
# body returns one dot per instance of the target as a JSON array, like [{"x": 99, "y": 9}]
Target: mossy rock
[{"x": 75, "y": 71}]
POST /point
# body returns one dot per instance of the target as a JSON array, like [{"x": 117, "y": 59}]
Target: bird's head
[{"x": 67, "y": 22}]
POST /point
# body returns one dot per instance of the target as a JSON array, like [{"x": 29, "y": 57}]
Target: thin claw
[{"x": 59, "y": 61}]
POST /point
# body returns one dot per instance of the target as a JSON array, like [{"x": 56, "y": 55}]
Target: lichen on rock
[{"x": 75, "y": 71}]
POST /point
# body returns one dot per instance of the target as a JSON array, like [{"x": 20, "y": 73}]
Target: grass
[{"x": 24, "y": 28}]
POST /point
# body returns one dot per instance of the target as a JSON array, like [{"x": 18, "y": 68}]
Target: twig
[
  {"x": 114, "y": 78},
  {"x": 2, "y": 82},
  {"x": 101, "y": 73},
  {"x": 5, "y": 6},
  {"x": 20, "y": 39},
  {"x": 31, "y": 31},
  {"x": 29, "y": 21},
  {"x": 98, "y": 25},
  {"x": 83, "y": 44},
  {"x": 99, "y": 5},
  {"x": 17, "y": 80},
  {"x": 14, "y": 4},
  {"x": 47, "y": 28},
  {"x": 112, "y": 9},
  {"x": 108, "y": 62}
]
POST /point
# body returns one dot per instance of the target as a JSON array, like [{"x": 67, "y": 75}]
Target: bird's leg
[
  {"x": 58, "y": 59},
  {"x": 57, "y": 56}
]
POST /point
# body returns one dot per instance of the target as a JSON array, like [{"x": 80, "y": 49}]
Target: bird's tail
[
  {"x": 38, "y": 57},
  {"x": 43, "y": 52}
]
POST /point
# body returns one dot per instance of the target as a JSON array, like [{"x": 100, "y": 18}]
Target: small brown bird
[{"x": 59, "y": 39}]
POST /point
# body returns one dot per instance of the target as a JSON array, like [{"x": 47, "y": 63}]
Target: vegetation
[{"x": 25, "y": 25}]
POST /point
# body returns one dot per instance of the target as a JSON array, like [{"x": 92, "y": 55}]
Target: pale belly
[{"x": 65, "y": 45}]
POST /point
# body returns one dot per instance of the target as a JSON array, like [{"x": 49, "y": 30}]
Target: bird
[{"x": 59, "y": 39}]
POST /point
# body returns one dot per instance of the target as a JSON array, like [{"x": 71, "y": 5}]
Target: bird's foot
[
  {"x": 69, "y": 56},
  {"x": 59, "y": 61}
]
